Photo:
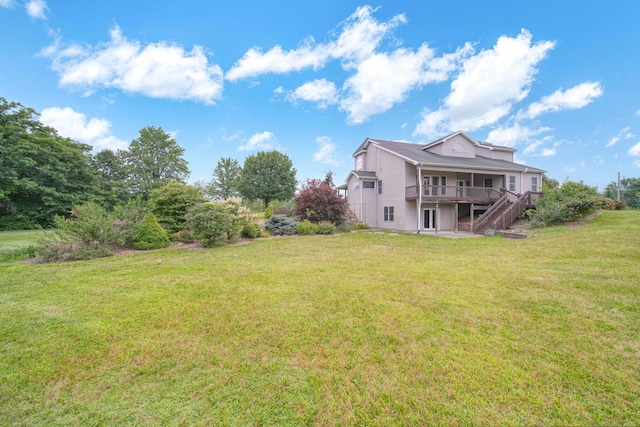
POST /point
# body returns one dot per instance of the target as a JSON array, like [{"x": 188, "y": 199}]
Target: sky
[{"x": 559, "y": 81}]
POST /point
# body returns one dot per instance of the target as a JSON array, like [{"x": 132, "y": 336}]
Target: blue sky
[{"x": 558, "y": 81}]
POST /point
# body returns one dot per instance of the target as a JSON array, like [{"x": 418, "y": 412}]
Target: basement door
[{"x": 429, "y": 219}]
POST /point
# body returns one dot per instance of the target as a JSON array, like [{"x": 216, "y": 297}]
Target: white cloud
[
  {"x": 327, "y": 151},
  {"x": 279, "y": 90},
  {"x": 489, "y": 84},
  {"x": 516, "y": 134},
  {"x": 384, "y": 79},
  {"x": 570, "y": 169},
  {"x": 36, "y": 9},
  {"x": 638, "y": 113},
  {"x": 360, "y": 36},
  {"x": 260, "y": 141},
  {"x": 7, "y": 3},
  {"x": 623, "y": 134},
  {"x": 635, "y": 150},
  {"x": 321, "y": 91},
  {"x": 550, "y": 151},
  {"x": 533, "y": 147},
  {"x": 74, "y": 125},
  {"x": 157, "y": 70},
  {"x": 572, "y": 99}
]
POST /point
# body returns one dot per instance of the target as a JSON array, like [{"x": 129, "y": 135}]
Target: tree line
[{"x": 44, "y": 175}]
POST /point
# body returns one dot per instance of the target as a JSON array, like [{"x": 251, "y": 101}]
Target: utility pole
[{"x": 618, "y": 186}]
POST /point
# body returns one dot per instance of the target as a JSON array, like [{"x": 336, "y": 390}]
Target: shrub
[
  {"x": 183, "y": 236},
  {"x": 361, "y": 226},
  {"x": 211, "y": 224},
  {"x": 239, "y": 214},
  {"x": 250, "y": 231},
  {"x": 268, "y": 212},
  {"x": 569, "y": 202},
  {"x": 170, "y": 204},
  {"x": 306, "y": 227},
  {"x": 319, "y": 201},
  {"x": 611, "y": 204},
  {"x": 325, "y": 227},
  {"x": 280, "y": 225},
  {"x": 150, "y": 235}
]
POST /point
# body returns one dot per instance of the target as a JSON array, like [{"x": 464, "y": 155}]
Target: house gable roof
[
  {"x": 471, "y": 140},
  {"x": 415, "y": 154}
]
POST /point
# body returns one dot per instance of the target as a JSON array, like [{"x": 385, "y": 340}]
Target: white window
[
  {"x": 388, "y": 213},
  {"x": 512, "y": 183},
  {"x": 534, "y": 184},
  {"x": 488, "y": 182},
  {"x": 359, "y": 162},
  {"x": 368, "y": 184},
  {"x": 380, "y": 186}
]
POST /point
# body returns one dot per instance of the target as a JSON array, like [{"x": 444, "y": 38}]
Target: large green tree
[
  {"x": 112, "y": 175},
  {"x": 226, "y": 176},
  {"x": 41, "y": 173},
  {"x": 268, "y": 176},
  {"x": 152, "y": 160},
  {"x": 629, "y": 191}
]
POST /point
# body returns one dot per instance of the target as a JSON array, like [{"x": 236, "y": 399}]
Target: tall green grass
[{"x": 357, "y": 329}]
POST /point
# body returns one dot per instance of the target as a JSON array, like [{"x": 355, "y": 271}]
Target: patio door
[
  {"x": 429, "y": 219},
  {"x": 461, "y": 184}
]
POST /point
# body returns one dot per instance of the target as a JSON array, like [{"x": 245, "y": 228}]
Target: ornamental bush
[
  {"x": 280, "y": 225},
  {"x": 325, "y": 227},
  {"x": 319, "y": 201},
  {"x": 211, "y": 224},
  {"x": 306, "y": 227},
  {"x": 569, "y": 202},
  {"x": 150, "y": 235},
  {"x": 250, "y": 231}
]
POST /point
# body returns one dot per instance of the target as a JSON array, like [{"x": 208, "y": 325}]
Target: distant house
[{"x": 455, "y": 184}]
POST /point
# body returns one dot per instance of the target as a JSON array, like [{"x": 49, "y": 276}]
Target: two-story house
[{"x": 440, "y": 186}]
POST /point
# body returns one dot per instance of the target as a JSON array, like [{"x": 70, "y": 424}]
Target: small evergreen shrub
[
  {"x": 361, "y": 226},
  {"x": 306, "y": 227},
  {"x": 325, "y": 227},
  {"x": 268, "y": 212},
  {"x": 150, "y": 235},
  {"x": 280, "y": 225},
  {"x": 250, "y": 231}
]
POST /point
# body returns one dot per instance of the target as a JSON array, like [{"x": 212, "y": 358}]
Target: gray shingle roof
[
  {"x": 416, "y": 154},
  {"x": 365, "y": 174}
]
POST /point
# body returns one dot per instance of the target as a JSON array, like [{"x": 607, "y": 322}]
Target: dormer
[{"x": 460, "y": 144}]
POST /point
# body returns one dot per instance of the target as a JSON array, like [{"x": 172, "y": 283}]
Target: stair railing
[
  {"x": 482, "y": 220},
  {"x": 506, "y": 218}
]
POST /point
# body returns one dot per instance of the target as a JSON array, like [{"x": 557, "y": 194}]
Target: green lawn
[
  {"x": 14, "y": 239},
  {"x": 358, "y": 329}
]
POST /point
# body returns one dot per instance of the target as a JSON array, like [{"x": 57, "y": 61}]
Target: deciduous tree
[
  {"x": 226, "y": 176},
  {"x": 154, "y": 159},
  {"x": 268, "y": 176},
  {"x": 41, "y": 173}
]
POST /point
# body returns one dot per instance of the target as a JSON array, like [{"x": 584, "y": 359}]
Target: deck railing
[{"x": 453, "y": 193}]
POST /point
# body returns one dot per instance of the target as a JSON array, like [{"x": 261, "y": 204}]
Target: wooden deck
[{"x": 453, "y": 194}]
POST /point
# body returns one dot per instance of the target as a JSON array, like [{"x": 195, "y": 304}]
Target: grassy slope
[
  {"x": 353, "y": 329},
  {"x": 18, "y": 238}
]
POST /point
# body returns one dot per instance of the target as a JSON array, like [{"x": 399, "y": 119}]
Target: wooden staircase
[{"x": 503, "y": 212}]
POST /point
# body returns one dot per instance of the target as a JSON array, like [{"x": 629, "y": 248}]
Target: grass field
[
  {"x": 18, "y": 238},
  {"x": 357, "y": 329}
]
